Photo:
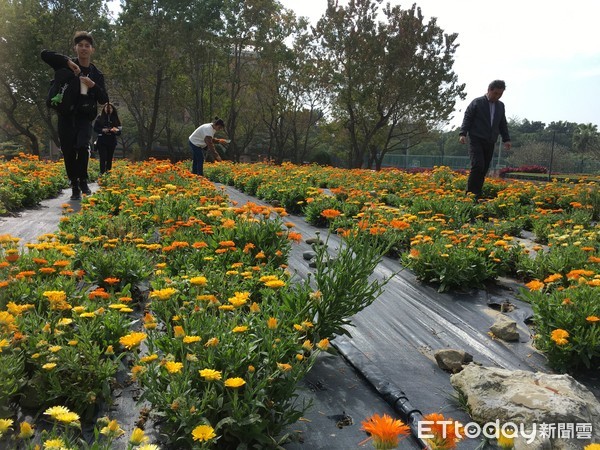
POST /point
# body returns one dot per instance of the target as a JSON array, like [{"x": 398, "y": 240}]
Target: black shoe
[
  {"x": 76, "y": 193},
  {"x": 84, "y": 187}
]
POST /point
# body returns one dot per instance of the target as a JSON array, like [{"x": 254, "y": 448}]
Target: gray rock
[
  {"x": 532, "y": 400},
  {"x": 505, "y": 328},
  {"x": 308, "y": 255},
  {"x": 452, "y": 360}
]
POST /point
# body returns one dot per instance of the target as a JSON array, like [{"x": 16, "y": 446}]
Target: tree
[
  {"x": 26, "y": 28},
  {"x": 586, "y": 139},
  {"x": 390, "y": 80}
]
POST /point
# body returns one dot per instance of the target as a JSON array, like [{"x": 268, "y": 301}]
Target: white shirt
[{"x": 197, "y": 137}]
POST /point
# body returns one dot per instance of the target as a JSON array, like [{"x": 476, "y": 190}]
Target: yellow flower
[
  {"x": 210, "y": 374},
  {"x": 212, "y": 342},
  {"x": 132, "y": 339},
  {"x": 198, "y": 281},
  {"x": 62, "y": 414},
  {"x": 560, "y": 336},
  {"x": 49, "y": 366},
  {"x": 203, "y": 433},
  {"x": 240, "y": 329},
  {"x": 163, "y": 294},
  {"x": 112, "y": 429},
  {"x": 592, "y": 447},
  {"x": 54, "y": 444},
  {"x": 275, "y": 284},
  {"x": 173, "y": 367},
  {"x": 505, "y": 442},
  {"x": 178, "y": 331},
  {"x": 148, "y": 447},
  {"x": 284, "y": 367},
  {"x": 26, "y": 430},
  {"x": 323, "y": 344},
  {"x": 272, "y": 323},
  {"x": 149, "y": 358},
  {"x": 5, "y": 425},
  {"x": 191, "y": 339},
  {"x": 138, "y": 437},
  {"x": 234, "y": 382}
]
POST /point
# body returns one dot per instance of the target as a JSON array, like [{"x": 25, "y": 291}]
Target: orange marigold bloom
[
  {"x": 594, "y": 259},
  {"x": 560, "y": 336},
  {"x": 385, "y": 431},
  {"x": 445, "y": 435},
  {"x": 592, "y": 319},
  {"x": 578, "y": 273},
  {"x": 227, "y": 244},
  {"x": 330, "y": 213},
  {"x": 111, "y": 280},
  {"x": 399, "y": 224},
  {"x": 535, "y": 285}
]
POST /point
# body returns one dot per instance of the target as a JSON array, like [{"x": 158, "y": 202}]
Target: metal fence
[{"x": 463, "y": 162}]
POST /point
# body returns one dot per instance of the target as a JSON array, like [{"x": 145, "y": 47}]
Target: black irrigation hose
[{"x": 391, "y": 393}]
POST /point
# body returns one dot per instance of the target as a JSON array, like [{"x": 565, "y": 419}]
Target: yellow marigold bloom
[
  {"x": 64, "y": 322},
  {"x": 163, "y": 294},
  {"x": 234, "y": 382},
  {"x": 254, "y": 307},
  {"x": 26, "y": 431},
  {"x": 212, "y": 342},
  {"x": 198, "y": 281},
  {"x": 191, "y": 339},
  {"x": 54, "y": 444},
  {"x": 55, "y": 296},
  {"x": 210, "y": 374},
  {"x": 148, "y": 447},
  {"x": 284, "y": 367},
  {"x": 5, "y": 425},
  {"x": 173, "y": 367},
  {"x": 307, "y": 345},
  {"x": 138, "y": 437},
  {"x": 239, "y": 299},
  {"x": 112, "y": 429},
  {"x": 54, "y": 348},
  {"x": 203, "y": 433},
  {"x": 149, "y": 358},
  {"x": 3, "y": 344},
  {"x": 272, "y": 323},
  {"x": 275, "y": 284},
  {"x": 592, "y": 447},
  {"x": 132, "y": 339},
  {"x": 560, "y": 336},
  {"x": 506, "y": 442},
  {"x": 385, "y": 431},
  {"x": 240, "y": 329},
  {"x": 178, "y": 331},
  {"x": 592, "y": 319},
  {"x": 49, "y": 366},
  {"x": 227, "y": 307},
  {"x": 323, "y": 344},
  {"x": 535, "y": 285}
]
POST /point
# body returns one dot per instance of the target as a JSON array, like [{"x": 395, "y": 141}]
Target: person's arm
[
  {"x": 117, "y": 130},
  {"x": 98, "y": 125},
  {"x": 467, "y": 122},
  {"x": 99, "y": 87},
  {"x": 211, "y": 148},
  {"x": 58, "y": 61}
]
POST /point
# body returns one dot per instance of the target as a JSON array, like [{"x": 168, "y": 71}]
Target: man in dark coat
[{"x": 484, "y": 120}]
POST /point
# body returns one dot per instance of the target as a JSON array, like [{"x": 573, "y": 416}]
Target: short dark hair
[
  {"x": 83, "y": 36},
  {"x": 219, "y": 122},
  {"x": 497, "y": 84}
]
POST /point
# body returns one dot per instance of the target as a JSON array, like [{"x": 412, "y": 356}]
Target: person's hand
[
  {"x": 88, "y": 81},
  {"x": 74, "y": 67},
  {"x": 106, "y": 130},
  {"x": 114, "y": 129},
  {"x": 507, "y": 145},
  {"x": 462, "y": 139}
]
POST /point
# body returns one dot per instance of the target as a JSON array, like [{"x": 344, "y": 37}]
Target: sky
[{"x": 547, "y": 52}]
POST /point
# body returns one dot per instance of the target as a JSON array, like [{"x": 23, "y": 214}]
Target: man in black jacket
[
  {"x": 484, "y": 120},
  {"x": 75, "y": 129}
]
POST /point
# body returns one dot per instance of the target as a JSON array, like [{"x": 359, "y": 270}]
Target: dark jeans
[
  {"x": 481, "y": 153},
  {"x": 74, "y": 133},
  {"x": 197, "y": 159},
  {"x": 105, "y": 153}
]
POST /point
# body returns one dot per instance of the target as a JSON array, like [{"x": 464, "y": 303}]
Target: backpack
[{"x": 64, "y": 92}]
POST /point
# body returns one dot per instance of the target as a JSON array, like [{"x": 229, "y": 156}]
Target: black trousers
[
  {"x": 74, "y": 133},
  {"x": 481, "y": 152},
  {"x": 105, "y": 153}
]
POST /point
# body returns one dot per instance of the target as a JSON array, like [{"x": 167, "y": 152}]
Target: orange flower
[
  {"x": 535, "y": 285},
  {"x": 592, "y": 319},
  {"x": 445, "y": 431},
  {"x": 330, "y": 213},
  {"x": 384, "y": 430},
  {"x": 559, "y": 336},
  {"x": 111, "y": 280}
]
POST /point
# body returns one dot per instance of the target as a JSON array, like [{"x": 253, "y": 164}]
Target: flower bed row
[
  {"x": 446, "y": 238},
  {"x": 160, "y": 276},
  {"x": 26, "y": 180}
]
